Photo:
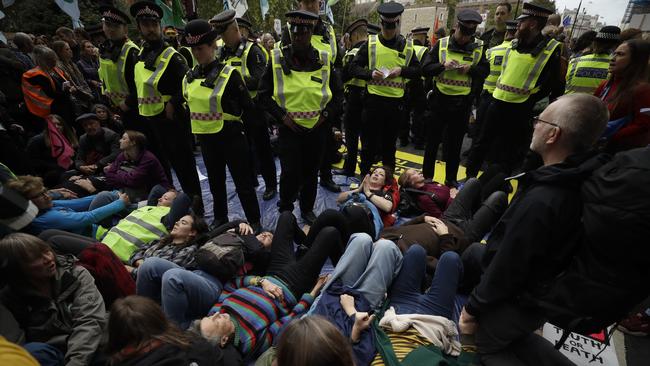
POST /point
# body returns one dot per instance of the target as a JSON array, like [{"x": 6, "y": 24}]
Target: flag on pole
[
  {"x": 239, "y": 6},
  {"x": 172, "y": 15},
  {"x": 71, "y": 7},
  {"x": 264, "y": 6},
  {"x": 7, "y": 3},
  {"x": 566, "y": 21}
]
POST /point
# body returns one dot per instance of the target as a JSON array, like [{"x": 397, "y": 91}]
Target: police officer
[
  {"x": 494, "y": 57},
  {"x": 373, "y": 29},
  {"x": 457, "y": 62},
  {"x": 248, "y": 57},
  {"x": 530, "y": 71},
  {"x": 416, "y": 97},
  {"x": 117, "y": 58},
  {"x": 298, "y": 88},
  {"x": 356, "y": 34},
  {"x": 385, "y": 61},
  {"x": 158, "y": 78},
  {"x": 586, "y": 72},
  {"x": 217, "y": 98},
  {"x": 323, "y": 39}
]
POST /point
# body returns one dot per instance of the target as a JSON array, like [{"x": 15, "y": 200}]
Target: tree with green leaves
[{"x": 44, "y": 17}]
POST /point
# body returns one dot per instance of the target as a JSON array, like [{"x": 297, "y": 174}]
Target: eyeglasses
[
  {"x": 42, "y": 193},
  {"x": 536, "y": 120}
]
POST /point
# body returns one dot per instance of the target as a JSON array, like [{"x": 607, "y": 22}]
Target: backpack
[
  {"x": 221, "y": 256},
  {"x": 610, "y": 272}
]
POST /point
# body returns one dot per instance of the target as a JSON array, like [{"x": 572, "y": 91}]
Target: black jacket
[
  {"x": 533, "y": 240},
  {"x": 199, "y": 353}
]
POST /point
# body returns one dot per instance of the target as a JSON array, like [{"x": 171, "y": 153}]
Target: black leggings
[{"x": 300, "y": 275}]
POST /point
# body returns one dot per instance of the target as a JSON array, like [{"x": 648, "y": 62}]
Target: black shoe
[
  {"x": 329, "y": 184},
  {"x": 347, "y": 173},
  {"x": 216, "y": 223},
  {"x": 257, "y": 227},
  {"x": 309, "y": 217},
  {"x": 452, "y": 183},
  {"x": 269, "y": 193}
]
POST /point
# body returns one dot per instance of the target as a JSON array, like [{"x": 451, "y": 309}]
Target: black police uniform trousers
[
  {"x": 504, "y": 136},
  {"x": 258, "y": 135},
  {"x": 174, "y": 139},
  {"x": 352, "y": 125},
  {"x": 229, "y": 147},
  {"x": 448, "y": 125},
  {"x": 484, "y": 102},
  {"x": 301, "y": 155},
  {"x": 380, "y": 124}
]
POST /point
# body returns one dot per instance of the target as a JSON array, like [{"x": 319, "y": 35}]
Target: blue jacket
[
  {"x": 73, "y": 215},
  {"x": 329, "y": 306}
]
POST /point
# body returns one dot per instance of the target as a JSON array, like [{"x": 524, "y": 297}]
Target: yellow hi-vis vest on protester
[
  {"x": 111, "y": 74},
  {"x": 206, "y": 111},
  {"x": 519, "y": 73},
  {"x": 495, "y": 57},
  {"x": 303, "y": 94},
  {"x": 349, "y": 56},
  {"x": 586, "y": 73},
  {"x": 150, "y": 101},
  {"x": 452, "y": 82},
  {"x": 240, "y": 59},
  {"x": 382, "y": 57},
  {"x": 141, "y": 227}
]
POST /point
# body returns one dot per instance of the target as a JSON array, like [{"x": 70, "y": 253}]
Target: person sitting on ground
[
  {"x": 107, "y": 118},
  {"x": 464, "y": 222},
  {"x": 187, "y": 235},
  {"x": 53, "y": 300},
  {"x": 98, "y": 147},
  {"x": 50, "y": 152},
  {"x": 135, "y": 169},
  {"x": 141, "y": 227},
  {"x": 139, "y": 334},
  {"x": 533, "y": 241},
  {"x": 187, "y": 295},
  {"x": 74, "y": 215},
  {"x": 378, "y": 188}
]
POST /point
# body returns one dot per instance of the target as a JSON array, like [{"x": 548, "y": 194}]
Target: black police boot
[{"x": 330, "y": 185}]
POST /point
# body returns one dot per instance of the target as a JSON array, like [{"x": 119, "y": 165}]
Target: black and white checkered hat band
[
  {"x": 147, "y": 11},
  {"x": 534, "y": 13},
  {"x": 603, "y": 35},
  {"x": 109, "y": 15},
  {"x": 389, "y": 20}
]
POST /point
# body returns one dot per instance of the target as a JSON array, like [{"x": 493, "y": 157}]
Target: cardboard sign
[{"x": 581, "y": 350}]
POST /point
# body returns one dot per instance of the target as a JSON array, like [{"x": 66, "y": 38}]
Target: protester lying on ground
[
  {"x": 74, "y": 215},
  {"x": 185, "y": 238},
  {"x": 431, "y": 198},
  {"x": 141, "y": 227},
  {"x": 465, "y": 221},
  {"x": 139, "y": 334},
  {"x": 533, "y": 241},
  {"x": 54, "y": 301},
  {"x": 378, "y": 193},
  {"x": 365, "y": 272},
  {"x": 188, "y": 295},
  {"x": 135, "y": 170}
]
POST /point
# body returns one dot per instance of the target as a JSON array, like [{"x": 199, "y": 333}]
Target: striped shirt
[
  {"x": 403, "y": 344},
  {"x": 260, "y": 317}
]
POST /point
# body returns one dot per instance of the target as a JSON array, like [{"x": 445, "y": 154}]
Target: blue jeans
[
  {"x": 184, "y": 295},
  {"x": 405, "y": 293},
  {"x": 368, "y": 267},
  {"x": 45, "y": 354}
]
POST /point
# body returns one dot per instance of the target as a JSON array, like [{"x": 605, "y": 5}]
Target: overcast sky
[{"x": 611, "y": 11}]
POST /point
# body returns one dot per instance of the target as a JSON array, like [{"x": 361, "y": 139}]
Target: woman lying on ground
[{"x": 377, "y": 194}]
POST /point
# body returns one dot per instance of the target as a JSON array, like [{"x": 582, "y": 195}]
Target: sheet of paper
[{"x": 385, "y": 71}]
